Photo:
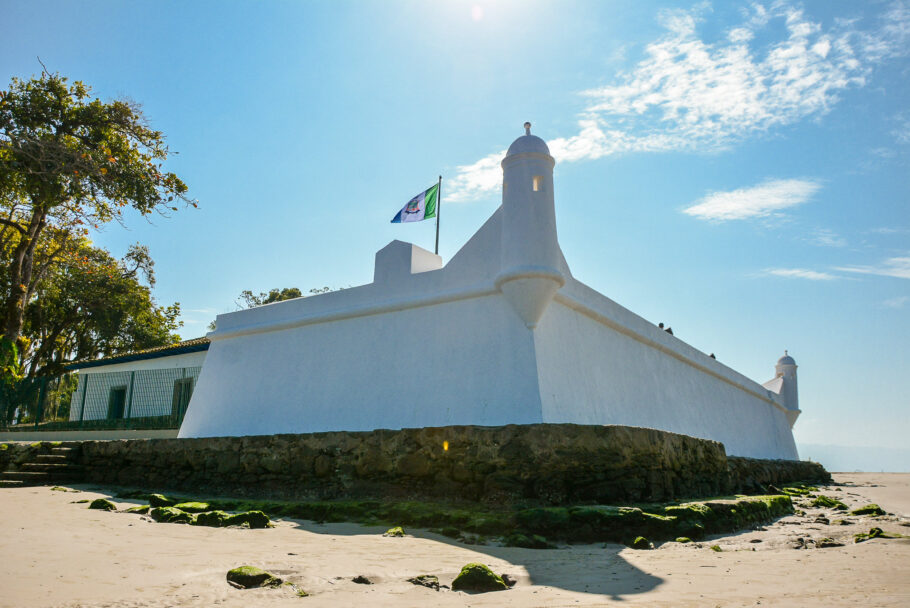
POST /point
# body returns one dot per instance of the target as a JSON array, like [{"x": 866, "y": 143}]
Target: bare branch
[{"x": 43, "y": 67}]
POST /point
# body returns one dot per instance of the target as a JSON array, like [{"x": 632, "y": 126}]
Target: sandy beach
[{"x": 59, "y": 553}]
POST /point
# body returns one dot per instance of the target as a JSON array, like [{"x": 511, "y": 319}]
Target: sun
[{"x": 476, "y": 12}]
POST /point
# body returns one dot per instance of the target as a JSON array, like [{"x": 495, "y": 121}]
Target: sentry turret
[{"x": 531, "y": 259}]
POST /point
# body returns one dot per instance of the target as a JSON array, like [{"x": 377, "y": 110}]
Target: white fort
[{"x": 502, "y": 334}]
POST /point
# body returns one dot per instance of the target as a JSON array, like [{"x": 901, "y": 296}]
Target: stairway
[{"x": 59, "y": 466}]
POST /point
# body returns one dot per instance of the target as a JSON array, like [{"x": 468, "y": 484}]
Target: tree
[
  {"x": 67, "y": 160},
  {"x": 250, "y": 300},
  {"x": 92, "y": 305}
]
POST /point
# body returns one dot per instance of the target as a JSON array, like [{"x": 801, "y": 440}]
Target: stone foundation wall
[
  {"x": 752, "y": 475},
  {"x": 539, "y": 463}
]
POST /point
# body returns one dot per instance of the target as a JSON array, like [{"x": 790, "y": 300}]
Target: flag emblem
[{"x": 421, "y": 207}]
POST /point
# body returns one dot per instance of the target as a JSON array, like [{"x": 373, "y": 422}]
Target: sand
[{"x": 57, "y": 553}]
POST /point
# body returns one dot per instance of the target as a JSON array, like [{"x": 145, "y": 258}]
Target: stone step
[
  {"x": 11, "y": 483},
  {"x": 53, "y": 458},
  {"x": 34, "y": 477},
  {"x": 64, "y": 451},
  {"x": 53, "y": 468},
  {"x": 27, "y": 477}
]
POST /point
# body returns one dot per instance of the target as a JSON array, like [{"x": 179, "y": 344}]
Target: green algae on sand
[
  {"x": 478, "y": 578},
  {"x": 828, "y": 502},
  {"x": 170, "y": 515},
  {"x": 250, "y": 577},
  {"x": 102, "y": 504},
  {"x": 870, "y": 509}
]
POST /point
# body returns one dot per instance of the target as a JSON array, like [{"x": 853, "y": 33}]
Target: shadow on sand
[{"x": 594, "y": 568}]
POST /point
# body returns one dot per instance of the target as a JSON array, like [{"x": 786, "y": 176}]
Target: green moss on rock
[
  {"x": 253, "y": 519},
  {"x": 870, "y": 509},
  {"x": 683, "y": 539},
  {"x": 397, "y": 531},
  {"x": 193, "y": 507},
  {"x": 249, "y": 577},
  {"x": 160, "y": 500},
  {"x": 103, "y": 504},
  {"x": 690, "y": 511},
  {"x": 140, "y": 509},
  {"x": 873, "y": 533},
  {"x": 478, "y": 578},
  {"x": 828, "y": 502},
  {"x": 716, "y": 548},
  {"x": 796, "y": 491},
  {"x": 641, "y": 543},
  {"x": 170, "y": 515},
  {"x": 212, "y": 519}
]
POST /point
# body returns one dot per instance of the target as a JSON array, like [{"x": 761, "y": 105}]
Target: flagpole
[{"x": 438, "y": 212}]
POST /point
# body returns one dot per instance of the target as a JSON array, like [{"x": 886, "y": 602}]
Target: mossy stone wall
[
  {"x": 541, "y": 463},
  {"x": 753, "y": 475},
  {"x": 546, "y": 463}
]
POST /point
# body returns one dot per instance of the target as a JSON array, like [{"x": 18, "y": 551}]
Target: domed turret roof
[
  {"x": 786, "y": 360},
  {"x": 528, "y": 144}
]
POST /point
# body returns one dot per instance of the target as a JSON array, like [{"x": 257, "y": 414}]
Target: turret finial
[{"x": 527, "y": 128}]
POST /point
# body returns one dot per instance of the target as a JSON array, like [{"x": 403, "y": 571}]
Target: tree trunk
[{"x": 20, "y": 275}]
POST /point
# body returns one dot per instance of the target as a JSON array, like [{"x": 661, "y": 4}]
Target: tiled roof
[{"x": 187, "y": 346}]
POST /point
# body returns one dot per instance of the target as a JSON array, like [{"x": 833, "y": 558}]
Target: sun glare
[{"x": 476, "y": 12}]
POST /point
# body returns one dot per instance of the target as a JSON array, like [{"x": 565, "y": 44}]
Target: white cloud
[
  {"x": 902, "y": 132},
  {"x": 892, "y": 39},
  {"x": 799, "y": 273},
  {"x": 827, "y": 238},
  {"x": 890, "y": 230},
  {"x": 762, "y": 200},
  {"x": 898, "y": 267},
  {"x": 476, "y": 179},
  {"x": 897, "y": 302},
  {"x": 687, "y": 94}
]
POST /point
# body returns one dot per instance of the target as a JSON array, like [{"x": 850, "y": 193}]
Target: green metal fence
[{"x": 139, "y": 399}]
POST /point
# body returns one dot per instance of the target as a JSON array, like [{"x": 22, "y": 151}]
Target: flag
[{"x": 421, "y": 207}]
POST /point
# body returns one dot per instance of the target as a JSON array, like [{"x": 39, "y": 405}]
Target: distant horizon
[{"x": 856, "y": 459}]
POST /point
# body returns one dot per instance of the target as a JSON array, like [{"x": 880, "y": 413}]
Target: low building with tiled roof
[{"x": 151, "y": 383}]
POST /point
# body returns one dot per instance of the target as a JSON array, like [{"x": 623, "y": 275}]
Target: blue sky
[{"x": 737, "y": 170}]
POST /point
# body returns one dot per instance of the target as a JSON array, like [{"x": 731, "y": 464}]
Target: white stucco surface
[{"x": 501, "y": 334}]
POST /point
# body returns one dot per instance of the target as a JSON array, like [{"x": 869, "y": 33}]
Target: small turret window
[{"x": 537, "y": 183}]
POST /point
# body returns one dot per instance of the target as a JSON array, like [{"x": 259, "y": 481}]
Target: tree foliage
[
  {"x": 248, "y": 299},
  {"x": 91, "y": 305},
  {"x": 68, "y": 162}
]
